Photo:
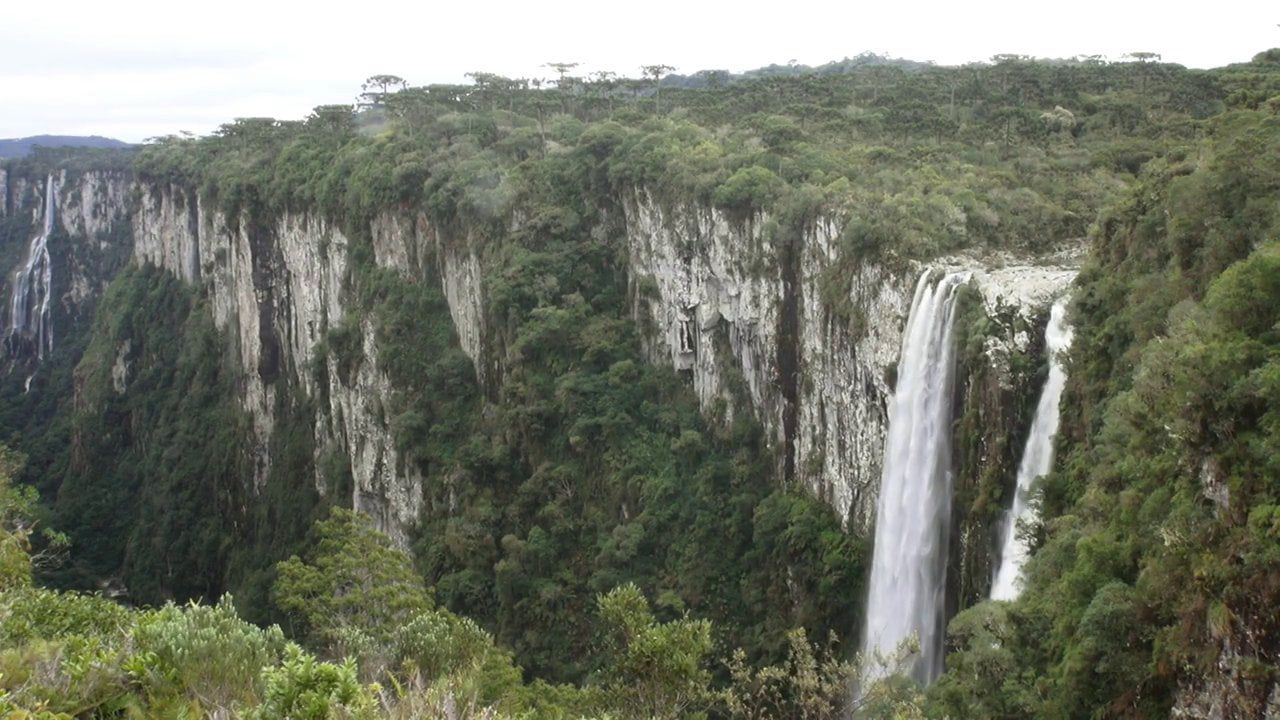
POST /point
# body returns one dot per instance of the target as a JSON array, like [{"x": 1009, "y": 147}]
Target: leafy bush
[
  {"x": 30, "y": 613},
  {"x": 304, "y": 688},
  {"x": 653, "y": 670},
  {"x": 354, "y": 590},
  {"x": 749, "y": 189},
  {"x": 205, "y": 653}
]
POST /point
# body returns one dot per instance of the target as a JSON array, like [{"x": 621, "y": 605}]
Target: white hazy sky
[{"x": 139, "y": 68}]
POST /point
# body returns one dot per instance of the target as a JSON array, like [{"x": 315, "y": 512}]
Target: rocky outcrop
[
  {"x": 276, "y": 288},
  {"x": 729, "y": 306},
  {"x": 722, "y": 307},
  {"x": 1235, "y": 690},
  {"x": 88, "y": 241},
  {"x": 416, "y": 248},
  {"x": 90, "y": 204}
]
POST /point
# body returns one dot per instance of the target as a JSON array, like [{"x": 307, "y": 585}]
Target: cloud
[{"x": 93, "y": 56}]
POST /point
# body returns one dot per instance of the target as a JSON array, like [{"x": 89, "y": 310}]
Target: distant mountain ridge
[{"x": 20, "y": 147}]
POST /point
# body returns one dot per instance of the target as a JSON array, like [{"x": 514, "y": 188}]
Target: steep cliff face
[
  {"x": 999, "y": 375},
  {"x": 746, "y": 315},
  {"x": 727, "y": 305},
  {"x": 87, "y": 244},
  {"x": 88, "y": 204},
  {"x": 721, "y": 299},
  {"x": 277, "y": 289},
  {"x": 737, "y": 312}
]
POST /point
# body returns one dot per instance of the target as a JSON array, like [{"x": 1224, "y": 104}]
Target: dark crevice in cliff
[
  {"x": 193, "y": 228},
  {"x": 788, "y": 351},
  {"x": 262, "y": 251}
]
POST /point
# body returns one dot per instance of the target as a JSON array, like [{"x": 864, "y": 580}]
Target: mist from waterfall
[
  {"x": 29, "y": 305},
  {"x": 908, "y": 573},
  {"x": 1037, "y": 457}
]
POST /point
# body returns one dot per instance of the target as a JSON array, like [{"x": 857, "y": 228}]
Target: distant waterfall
[
  {"x": 29, "y": 318},
  {"x": 908, "y": 571},
  {"x": 1037, "y": 456}
]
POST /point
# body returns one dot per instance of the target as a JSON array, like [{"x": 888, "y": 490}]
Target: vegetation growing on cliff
[
  {"x": 581, "y": 512},
  {"x": 154, "y": 493},
  {"x": 1159, "y": 550}
]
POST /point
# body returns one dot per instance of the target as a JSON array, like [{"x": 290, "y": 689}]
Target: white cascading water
[
  {"x": 29, "y": 317},
  {"x": 1037, "y": 457},
  {"x": 908, "y": 571}
]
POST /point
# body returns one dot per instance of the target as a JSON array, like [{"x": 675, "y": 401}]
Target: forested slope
[
  {"x": 1156, "y": 579},
  {"x": 578, "y": 505}
]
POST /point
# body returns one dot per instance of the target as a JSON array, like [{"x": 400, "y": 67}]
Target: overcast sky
[{"x": 134, "y": 69}]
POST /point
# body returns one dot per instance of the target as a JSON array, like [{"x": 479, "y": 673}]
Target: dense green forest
[{"x": 591, "y": 545}]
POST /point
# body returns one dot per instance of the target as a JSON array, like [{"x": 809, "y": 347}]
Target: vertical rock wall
[
  {"x": 723, "y": 302},
  {"x": 720, "y": 299}
]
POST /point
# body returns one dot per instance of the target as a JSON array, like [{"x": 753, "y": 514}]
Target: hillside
[
  {"x": 586, "y": 400},
  {"x": 20, "y": 147}
]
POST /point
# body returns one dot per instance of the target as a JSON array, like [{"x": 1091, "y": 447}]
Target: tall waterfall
[
  {"x": 908, "y": 571},
  {"x": 1037, "y": 456},
  {"x": 29, "y": 318}
]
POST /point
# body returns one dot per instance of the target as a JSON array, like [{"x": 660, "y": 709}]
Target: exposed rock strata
[
  {"x": 723, "y": 300},
  {"x": 700, "y": 278}
]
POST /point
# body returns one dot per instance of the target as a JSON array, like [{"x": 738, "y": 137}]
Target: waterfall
[
  {"x": 29, "y": 319},
  {"x": 1037, "y": 457},
  {"x": 908, "y": 571}
]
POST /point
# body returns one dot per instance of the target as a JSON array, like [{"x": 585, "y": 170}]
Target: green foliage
[
  {"x": 653, "y": 669},
  {"x": 151, "y": 490},
  {"x": 750, "y": 188},
  {"x": 30, "y": 613},
  {"x": 438, "y": 643},
  {"x": 813, "y": 682},
  {"x": 72, "y": 160},
  {"x": 570, "y": 467},
  {"x": 63, "y": 678},
  {"x": 154, "y": 492},
  {"x": 1158, "y": 552},
  {"x": 61, "y": 652},
  {"x": 66, "y": 654},
  {"x": 354, "y": 590},
  {"x": 360, "y": 597},
  {"x": 204, "y": 653},
  {"x": 17, "y": 510},
  {"x": 985, "y": 677},
  {"x": 304, "y": 688}
]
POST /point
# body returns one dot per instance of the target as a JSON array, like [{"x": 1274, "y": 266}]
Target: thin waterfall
[
  {"x": 1037, "y": 457},
  {"x": 908, "y": 571},
  {"x": 29, "y": 306}
]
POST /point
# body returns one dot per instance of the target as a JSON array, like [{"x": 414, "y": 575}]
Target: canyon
[{"x": 749, "y": 332}]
